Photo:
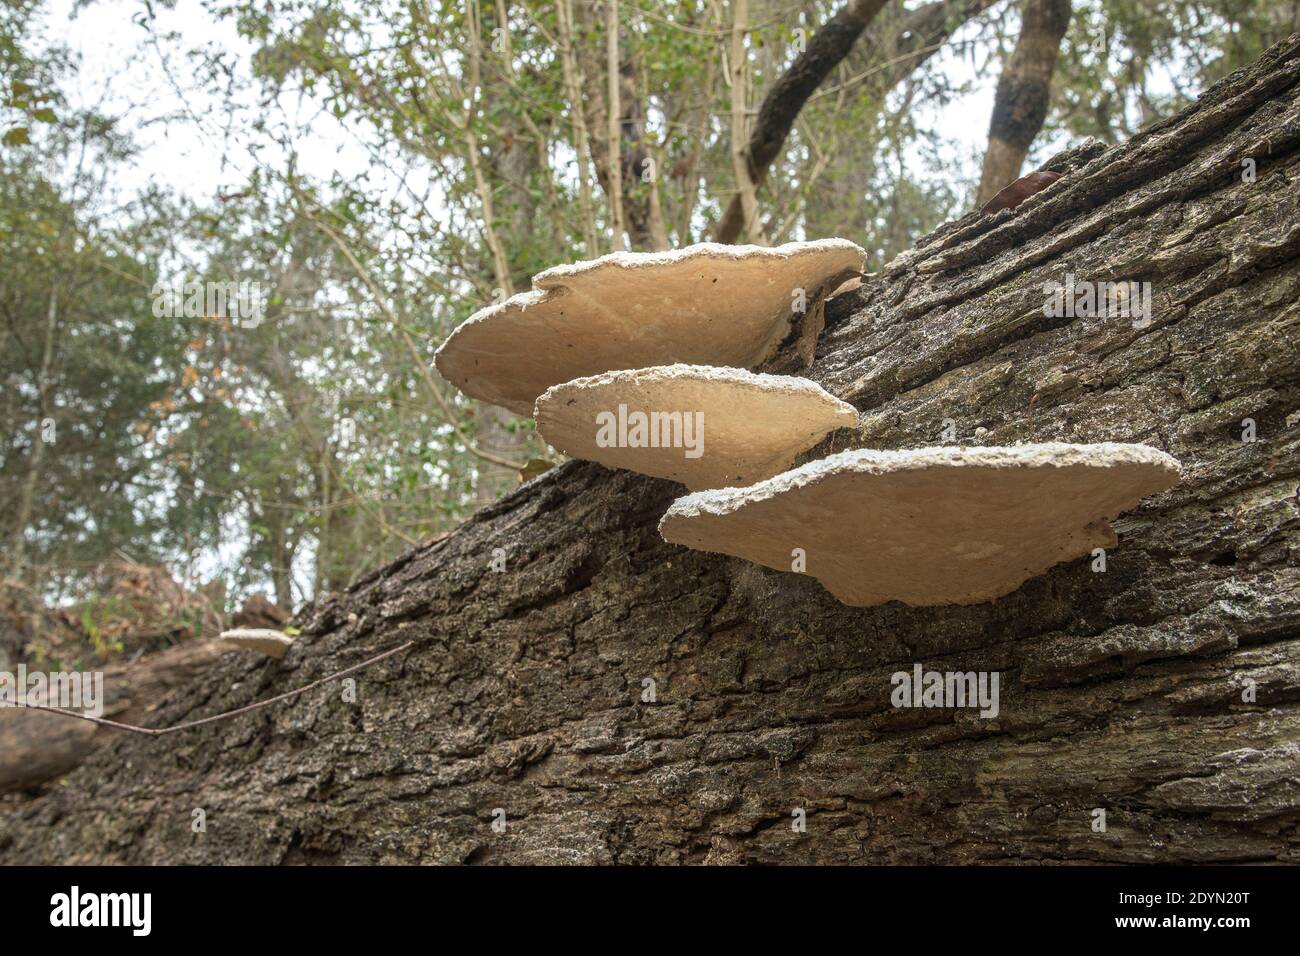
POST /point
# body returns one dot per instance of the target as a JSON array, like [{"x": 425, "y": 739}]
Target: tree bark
[
  {"x": 1024, "y": 89},
  {"x": 1164, "y": 690}
]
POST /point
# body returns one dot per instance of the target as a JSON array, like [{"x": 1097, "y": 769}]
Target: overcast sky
[{"x": 183, "y": 133}]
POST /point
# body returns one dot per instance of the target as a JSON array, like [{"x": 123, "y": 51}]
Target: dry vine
[{"x": 159, "y": 732}]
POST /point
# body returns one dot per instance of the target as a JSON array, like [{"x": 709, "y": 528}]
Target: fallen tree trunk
[
  {"x": 34, "y": 748},
  {"x": 1164, "y": 691}
]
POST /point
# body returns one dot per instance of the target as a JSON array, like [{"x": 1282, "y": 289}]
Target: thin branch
[
  {"x": 612, "y": 131},
  {"x": 746, "y": 187},
  {"x": 156, "y": 732},
  {"x": 824, "y": 51},
  {"x": 500, "y": 265},
  {"x": 421, "y": 364},
  {"x": 574, "y": 81}
]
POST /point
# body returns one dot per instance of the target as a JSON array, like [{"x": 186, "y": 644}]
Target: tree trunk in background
[
  {"x": 492, "y": 434},
  {"x": 1024, "y": 89},
  {"x": 1164, "y": 691},
  {"x": 628, "y": 182},
  {"x": 281, "y": 550},
  {"x": 35, "y": 457},
  {"x": 642, "y": 214}
]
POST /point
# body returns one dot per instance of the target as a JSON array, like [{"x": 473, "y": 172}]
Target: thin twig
[
  {"x": 421, "y": 364},
  {"x": 152, "y": 732},
  {"x": 612, "y": 130}
]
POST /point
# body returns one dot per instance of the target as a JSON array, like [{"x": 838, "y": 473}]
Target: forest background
[{"x": 380, "y": 170}]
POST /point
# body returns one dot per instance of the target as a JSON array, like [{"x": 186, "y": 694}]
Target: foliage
[{"x": 306, "y": 448}]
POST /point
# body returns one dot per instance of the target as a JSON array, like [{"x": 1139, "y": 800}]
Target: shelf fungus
[
  {"x": 706, "y": 304},
  {"x": 703, "y": 426},
  {"x": 929, "y": 526},
  {"x": 263, "y": 640}
]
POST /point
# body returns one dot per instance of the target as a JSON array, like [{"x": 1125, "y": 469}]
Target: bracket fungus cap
[
  {"x": 928, "y": 526},
  {"x": 703, "y": 426},
  {"x": 263, "y": 640},
  {"x": 706, "y": 304}
]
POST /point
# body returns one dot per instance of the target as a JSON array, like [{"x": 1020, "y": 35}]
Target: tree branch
[
  {"x": 615, "y": 152},
  {"x": 828, "y": 46}
]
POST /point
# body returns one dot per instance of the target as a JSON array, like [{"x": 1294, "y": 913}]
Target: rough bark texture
[
  {"x": 1024, "y": 90},
  {"x": 1120, "y": 690}
]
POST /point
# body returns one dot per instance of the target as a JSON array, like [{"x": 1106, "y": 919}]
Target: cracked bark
[{"x": 1119, "y": 690}]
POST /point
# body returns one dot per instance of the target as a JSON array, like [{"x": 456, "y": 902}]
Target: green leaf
[
  {"x": 16, "y": 137},
  {"x": 43, "y": 115}
]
